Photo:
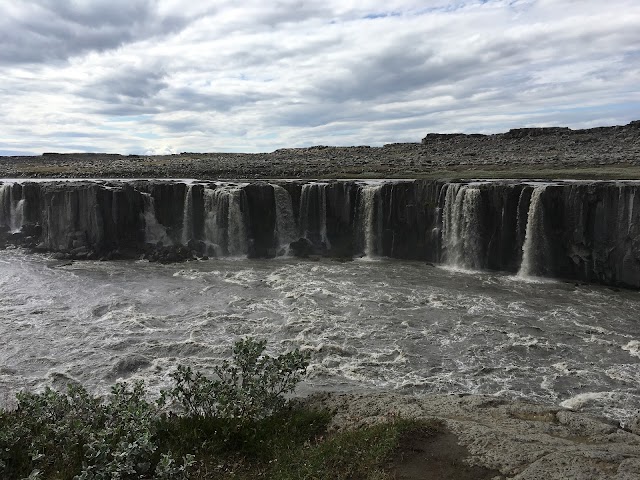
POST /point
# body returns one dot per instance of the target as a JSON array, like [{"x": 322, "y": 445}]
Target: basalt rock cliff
[{"x": 584, "y": 231}]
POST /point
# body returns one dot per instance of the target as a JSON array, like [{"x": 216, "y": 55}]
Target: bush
[
  {"x": 75, "y": 434},
  {"x": 250, "y": 387},
  {"x": 81, "y": 436}
]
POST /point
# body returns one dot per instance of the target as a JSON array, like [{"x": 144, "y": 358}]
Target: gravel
[{"x": 520, "y": 151}]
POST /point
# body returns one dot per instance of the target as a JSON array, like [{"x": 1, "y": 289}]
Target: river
[{"x": 369, "y": 324}]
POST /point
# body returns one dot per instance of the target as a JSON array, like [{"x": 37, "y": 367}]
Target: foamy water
[{"x": 384, "y": 324}]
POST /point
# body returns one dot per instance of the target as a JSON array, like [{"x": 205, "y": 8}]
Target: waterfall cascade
[
  {"x": 187, "y": 216},
  {"x": 535, "y": 243},
  {"x": 371, "y": 215},
  {"x": 5, "y": 205},
  {"x": 313, "y": 213},
  {"x": 17, "y": 215},
  {"x": 576, "y": 230},
  {"x": 285, "y": 218},
  {"x": 154, "y": 232},
  {"x": 11, "y": 208},
  {"x": 225, "y": 224},
  {"x": 461, "y": 227}
]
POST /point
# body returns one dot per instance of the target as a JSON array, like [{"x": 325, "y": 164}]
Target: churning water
[{"x": 369, "y": 324}]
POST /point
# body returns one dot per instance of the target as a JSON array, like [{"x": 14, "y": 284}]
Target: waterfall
[
  {"x": 154, "y": 232},
  {"x": 237, "y": 235},
  {"x": 285, "y": 219},
  {"x": 213, "y": 225},
  {"x": 371, "y": 214},
  {"x": 11, "y": 209},
  {"x": 17, "y": 215},
  {"x": 224, "y": 223},
  {"x": 632, "y": 196},
  {"x": 187, "y": 216},
  {"x": 520, "y": 224},
  {"x": 5, "y": 205},
  {"x": 535, "y": 243},
  {"x": 313, "y": 213},
  {"x": 461, "y": 226}
]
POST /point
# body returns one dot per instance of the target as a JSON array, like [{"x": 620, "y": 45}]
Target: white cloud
[{"x": 133, "y": 77}]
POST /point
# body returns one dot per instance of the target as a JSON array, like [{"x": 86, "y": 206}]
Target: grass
[
  {"x": 365, "y": 453},
  {"x": 295, "y": 447}
]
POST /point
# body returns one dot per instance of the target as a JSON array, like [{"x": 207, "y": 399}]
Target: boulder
[{"x": 301, "y": 248}]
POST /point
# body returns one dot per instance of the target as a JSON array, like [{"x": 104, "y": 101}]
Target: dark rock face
[
  {"x": 262, "y": 220},
  {"x": 594, "y": 233},
  {"x": 586, "y": 231},
  {"x": 302, "y": 248},
  {"x": 536, "y": 132}
]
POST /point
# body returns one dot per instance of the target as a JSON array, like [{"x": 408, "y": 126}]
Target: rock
[
  {"x": 536, "y": 132},
  {"x": 590, "y": 230},
  {"x": 301, "y": 248},
  {"x": 124, "y": 367},
  {"x": 585, "y": 425},
  {"x": 211, "y": 251},
  {"x": 634, "y": 425},
  {"x": 521, "y": 440},
  {"x": 79, "y": 251},
  {"x": 31, "y": 230}
]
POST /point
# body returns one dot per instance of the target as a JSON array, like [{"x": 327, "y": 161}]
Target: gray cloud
[
  {"x": 164, "y": 74},
  {"x": 49, "y": 30},
  {"x": 127, "y": 85}
]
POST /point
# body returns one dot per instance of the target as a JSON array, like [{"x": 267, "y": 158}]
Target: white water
[
  {"x": 17, "y": 216},
  {"x": 285, "y": 218},
  {"x": 371, "y": 213},
  {"x": 187, "y": 217},
  {"x": 11, "y": 211},
  {"x": 461, "y": 227},
  {"x": 224, "y": 220},
  {"x": 534, "y": 246},
  {"x": 313, "y": 212},
  {"x": 154, "y": 232},
  {"x": 387, "y": 324},
  {"x": 5, "y": 204}
]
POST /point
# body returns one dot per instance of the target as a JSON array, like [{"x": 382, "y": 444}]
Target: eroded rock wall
[{"x": 586, "y": 231}]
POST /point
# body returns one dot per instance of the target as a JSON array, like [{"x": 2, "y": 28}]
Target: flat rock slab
[{"x": 518, "y": 439}]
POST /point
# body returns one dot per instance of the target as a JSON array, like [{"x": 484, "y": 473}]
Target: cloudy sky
[{"x": 143, "y": 76}]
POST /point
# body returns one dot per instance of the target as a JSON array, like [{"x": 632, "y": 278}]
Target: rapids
[{"x": 369, "y": 324}]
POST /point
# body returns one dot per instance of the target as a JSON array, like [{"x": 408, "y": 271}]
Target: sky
[{"x": 171, "y": 76}]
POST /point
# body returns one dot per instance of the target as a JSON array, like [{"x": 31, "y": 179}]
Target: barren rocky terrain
[
  {"x": 597, "y": 153},
  {"x": 505, "y": 439}
]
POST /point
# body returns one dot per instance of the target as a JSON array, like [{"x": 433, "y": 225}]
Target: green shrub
[
  {"x": 250, "y": 387},
  {"x": 77, "y": 435},
  {"x": 126, "y": 436}
]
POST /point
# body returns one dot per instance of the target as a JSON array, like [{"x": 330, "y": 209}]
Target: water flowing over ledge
[{"x": 585, "y": 231}]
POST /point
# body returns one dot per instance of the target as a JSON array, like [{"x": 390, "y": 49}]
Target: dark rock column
[{"x": 261, "y": 205}]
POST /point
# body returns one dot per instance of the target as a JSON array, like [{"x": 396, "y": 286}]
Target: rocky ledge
[
  {"x": 505, "y": 439},
  {"x": 606, "y": 152}
]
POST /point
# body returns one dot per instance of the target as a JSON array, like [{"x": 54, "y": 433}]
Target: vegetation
[{"x": 234, "y": 425}]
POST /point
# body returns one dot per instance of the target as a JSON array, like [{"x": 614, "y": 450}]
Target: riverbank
[
  {"x": 520, "y": 440},
  {"x": 545, "y": 153},
  {"x": 380, "y": 436}
]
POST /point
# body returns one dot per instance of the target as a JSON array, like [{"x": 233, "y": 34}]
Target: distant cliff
[{"x": 586, "y": 231}]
